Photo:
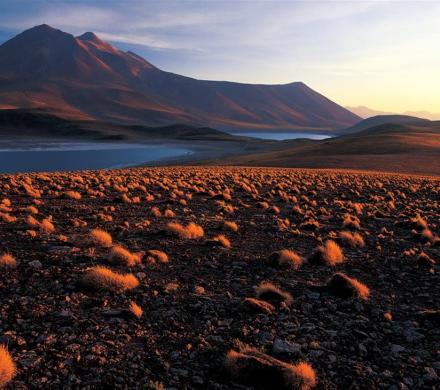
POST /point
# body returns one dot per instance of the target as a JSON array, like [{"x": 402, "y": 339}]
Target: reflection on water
[
  {"x": 12, "y": 161},
  {"x": 280, "y": 136}
]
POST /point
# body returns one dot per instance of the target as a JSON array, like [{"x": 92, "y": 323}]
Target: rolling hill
[
  {"x": 387, "y": 119},
  {"x": 86, "y": 78},
  {"x": 406, "y": 148}
]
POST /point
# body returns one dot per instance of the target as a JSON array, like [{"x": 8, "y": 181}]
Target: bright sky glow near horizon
[{"x": 381, "y": 54}]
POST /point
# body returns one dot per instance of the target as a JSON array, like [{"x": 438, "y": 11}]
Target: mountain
[
  {"x": 86, "y": 78},
  {"x": 386, "y": 120},
  {"x": 404, "y": 148},
  {"x": 365, "y": 112}
]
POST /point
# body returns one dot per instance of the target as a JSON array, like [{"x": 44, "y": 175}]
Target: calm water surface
[
  {"x": 281, "y": 136},
  {"x": 83, "y": 157}
]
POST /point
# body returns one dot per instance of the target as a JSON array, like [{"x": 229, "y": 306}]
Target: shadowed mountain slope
[{"x": 86, "y": 78}]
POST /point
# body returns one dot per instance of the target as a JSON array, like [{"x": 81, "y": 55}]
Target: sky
[{"x": 380, "y": 54}]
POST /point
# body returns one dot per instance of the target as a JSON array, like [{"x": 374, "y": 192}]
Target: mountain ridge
[{"x": 85, "y": 77}]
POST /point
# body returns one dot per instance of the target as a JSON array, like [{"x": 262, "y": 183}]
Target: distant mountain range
[
  {"x": 86, "y": 78},
  {"x": 365, "y": 112}
]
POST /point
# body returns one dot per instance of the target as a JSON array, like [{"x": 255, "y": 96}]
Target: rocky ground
[{"x": 63, "y": 333}]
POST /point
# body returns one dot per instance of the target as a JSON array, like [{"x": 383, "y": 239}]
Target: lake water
[
  {"x": 83, "y": 157},
  {"x": 281, "y": 136}
]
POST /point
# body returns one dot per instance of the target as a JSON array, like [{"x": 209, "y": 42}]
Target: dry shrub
[
  {"x": 7, "y": 261},
  {"x": 135, "y": 309},
  {"x": 7, "y": 367},
  {"x": 155, "y": 212},
  {"x": 424, "y": 260},
  {"x": 120, "y": 254},
  {"x": 6, "y": 217},
  {"x": 31, "y": 221},
  {"x": 268, "y": 292},
  {"x": 220, "y": 240},
  {"x": 330, "y": 253},
  {"x": 46, "y": 225},
  {"x": 171, "y": 287},
  {"x": 258, "y": 306},
  {"x": 285, "y": 258},
  {"x": 351, "y": 221},
  {"x": 190, "y": 232},
  {"x": 388, "y": 316},
  {"x": 344, "y": 286},
  {"x": 418, "y": 223},
  {"x": 352, "y": 239},
  {"x": 101, "y": 238},
  {"x": 169, "y": 213},
  {"x": 32, "y": 209},
  {"x": 229, "y": 225},
  {"x": 31, "y": 233},
  {"x": 103, "y": 278},
  {"x": 255, "y": 368},
  {"x": 73, "y": 195},
  {"x": 156, "y": 256}
]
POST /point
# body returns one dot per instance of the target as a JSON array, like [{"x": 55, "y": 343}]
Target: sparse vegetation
[
  {"x": 270, "y": 293},
  {"x": 285, "y": 258},
  {"x": 120, "y": 254},
  {"x": 102, "y": 278},
  {"x": 101, "y": 238},
  {"x": 7, "y": 261},
  {"x": 7, "y": 367},
  {"x": 330, "y": 253},
  {"x": 345, "y": 286},
  {"x": 254, "y": 367},
  {"x": 72, "y": 308},
  {"x": 190, "y": 232}
]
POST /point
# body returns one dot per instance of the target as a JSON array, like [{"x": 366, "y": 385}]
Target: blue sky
[{"x": 382, "y": 54}]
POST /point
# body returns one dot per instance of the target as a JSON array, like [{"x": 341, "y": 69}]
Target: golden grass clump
[
  {"x": 220, "y": 240},
  {"x": 302, "y": 376},
  {"x": 120, "y": 254},
  {"x": 156, "y": 256},
  {"x": 229, "y": 225},
  {"x": 155, "y": 212},
  {"x": 418, "y": 223},
  {"x": 6, "y": 217},
  {"x": 352, "y": 239},
  {"x": 190, "y": 232},
  {"x": 32, "y": 209},
  {"x": 7, "y": 367},
  {"x": 351, "y": 221},
  {"x": 253, "y": 367},
  {"x": 266, "y": 291},
  {"x": 344, "y": 286},
  {"x": 31, "y": 221},
  {"x": 285, "y": 258},
  {"x": 7, "y": 261},
  {"x": 101, "y": 238},
  {"x": 330, "y": 253},
  {"x": 73, "y": 195},
  {"x": 103, "y": 278},
  {"x": 46, "y": 225},
  {"x": 135, "y": 309},
  {"x": 258, "y": 306}
]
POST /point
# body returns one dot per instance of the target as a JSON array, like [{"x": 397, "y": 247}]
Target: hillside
[
  {"x": 36, "y": 123},
  {"x": 86, "y": 78},
  {"x": 387, "y": 119},
  {"x": 386, "y": 147}
]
